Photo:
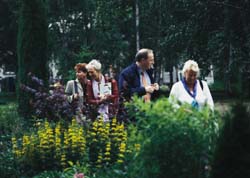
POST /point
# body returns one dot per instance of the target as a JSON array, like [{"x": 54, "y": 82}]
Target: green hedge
[
  {"x": 10, "y": 122},
  {"x": 175, "y": 142},
  {"x": 232, "y": 156}
]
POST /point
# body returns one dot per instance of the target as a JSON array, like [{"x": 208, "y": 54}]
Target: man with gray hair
[{"x": 138, "y": 77}]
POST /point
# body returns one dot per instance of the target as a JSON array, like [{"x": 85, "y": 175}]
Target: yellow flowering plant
[
  {"x": 53, "y": 146},
  {"x": 107, "y": 143},
  {"x": 50, "y": 148}
]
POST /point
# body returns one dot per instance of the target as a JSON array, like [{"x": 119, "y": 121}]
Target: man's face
[
  {"x": 149, "y": 62},
  {"x": 81, "y": 75},
  {"x": 190, "y": 77},
  {"x": 93, "y": 73}
]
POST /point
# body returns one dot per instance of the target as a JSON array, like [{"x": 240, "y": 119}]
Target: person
[
  {"x": 190, "y": 89},
  {"x": 113, "y": 73},
  {"x": 101, "y": 92},
  {"x": 137, "y": 79},
  {"x": 76, "y": 91}
]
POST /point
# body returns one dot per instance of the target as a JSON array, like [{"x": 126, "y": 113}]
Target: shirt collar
[{"x": 187, "y": 89}]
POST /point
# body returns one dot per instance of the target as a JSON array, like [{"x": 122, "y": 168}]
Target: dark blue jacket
[{"x": 129, "y": 81}]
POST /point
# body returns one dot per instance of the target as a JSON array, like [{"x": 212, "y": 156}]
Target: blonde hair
[
  {"x": 191, "y": 65},
  {"x": 95, "y": 64}
]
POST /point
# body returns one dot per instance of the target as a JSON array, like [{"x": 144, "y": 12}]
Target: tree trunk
[
  {"x": 32, "y": 47},
  {"x": 227, "y": 49},
  {"x": 137, "y": 21}
]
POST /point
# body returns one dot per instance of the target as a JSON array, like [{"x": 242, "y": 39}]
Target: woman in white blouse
[
  {"x": 106, "y": 101},
  {"x": 190, "y": 90}
]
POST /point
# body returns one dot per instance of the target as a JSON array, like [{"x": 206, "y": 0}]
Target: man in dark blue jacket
[{"x": 138, "y": 77}]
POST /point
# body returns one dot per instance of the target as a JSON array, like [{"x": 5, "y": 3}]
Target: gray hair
[
  {"x": 95, "y": 64},
  {"x": 191, "y": 65}
]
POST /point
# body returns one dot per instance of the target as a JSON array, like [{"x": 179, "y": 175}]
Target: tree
[
  {"x": 31, "y": 47},
  {"x": 210, "y": 32},
  {"x": 70, "y": 31},
  {"x": 88, "y": 26},
  {"x": 232, "y": 155},
  {"x": 8, "y": 35}
]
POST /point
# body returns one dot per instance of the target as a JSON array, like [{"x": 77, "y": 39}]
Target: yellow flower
[
  {"x": 95, "y": 140},
  {"x": 120, "y": 161},
  {"x": 121, "y": 155},
  {"x": 122, "y": 147},
  {"x": 107, "y": 153},
  {"x": 98, "y": 161},
  {"x": 137, "y": 147},
  {"x": 63, "y": 160}
]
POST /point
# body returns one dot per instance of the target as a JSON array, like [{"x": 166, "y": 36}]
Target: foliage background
[
  {"x": 211, "y": 32},
  {"x": 175, "y": 142}
]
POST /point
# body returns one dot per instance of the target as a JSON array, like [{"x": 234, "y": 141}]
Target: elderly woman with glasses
[
  {"x": 101, "y": 92},
  {"x": 190, "y": 89}
]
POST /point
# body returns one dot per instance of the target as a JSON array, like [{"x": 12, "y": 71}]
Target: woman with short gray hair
[
  {"x": 191, "y": 90},
  {"x": 101, "y": 92}
]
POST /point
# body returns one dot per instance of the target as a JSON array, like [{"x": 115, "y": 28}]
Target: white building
[
  {"x": 8, "y": 76},
  {"x": 177, "y": 75}
]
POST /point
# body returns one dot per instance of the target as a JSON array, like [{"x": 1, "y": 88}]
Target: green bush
[
  {"x": 10, "y": 122},
  {"x": 217, "y": 85},
  {"x": 53, "y": 146},
  {"x": 175, "y": 142},
  {"x": 66, "y": 173},
  {"x": 8, "y": 167},
  {"x": 232, "y": 156},
  {"x": 50, "y": 174}
]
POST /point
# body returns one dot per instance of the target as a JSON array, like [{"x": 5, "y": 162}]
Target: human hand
[
  {"x": 149, "y": 89},
  {"x": 156, "y": 86},
  {"x": 107, "y": 96},
  {"x": 102, "y": 98},
  {"x": 75, "y": 96}
]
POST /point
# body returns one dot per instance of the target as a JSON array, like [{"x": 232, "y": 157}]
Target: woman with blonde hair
[{"x": 190, "y": 89}]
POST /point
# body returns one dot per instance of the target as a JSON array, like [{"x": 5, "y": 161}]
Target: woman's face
[
  {"x": 190, "y": 77},
  {"x": 93, "y": 73},
  {"x": 81, "y": 75}
]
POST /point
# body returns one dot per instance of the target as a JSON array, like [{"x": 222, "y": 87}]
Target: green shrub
[
  {"x": 10, "y": 122},
  {"x": 52, "y": 147},
  {"x": 49, "y": 147},
  {"x": 232, "y": 156},
  {"x": 50, "y": 174},
  {"x": 175, "y": 143},
  {"x": 7, "y": 164},
  {"x": 66, "y": 173},
  {"x": 217, "y": 85}
]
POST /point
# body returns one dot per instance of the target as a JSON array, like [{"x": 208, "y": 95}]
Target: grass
[
  {"x": 10, "y": 121},
  {"x": 6, "y": 98}
]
